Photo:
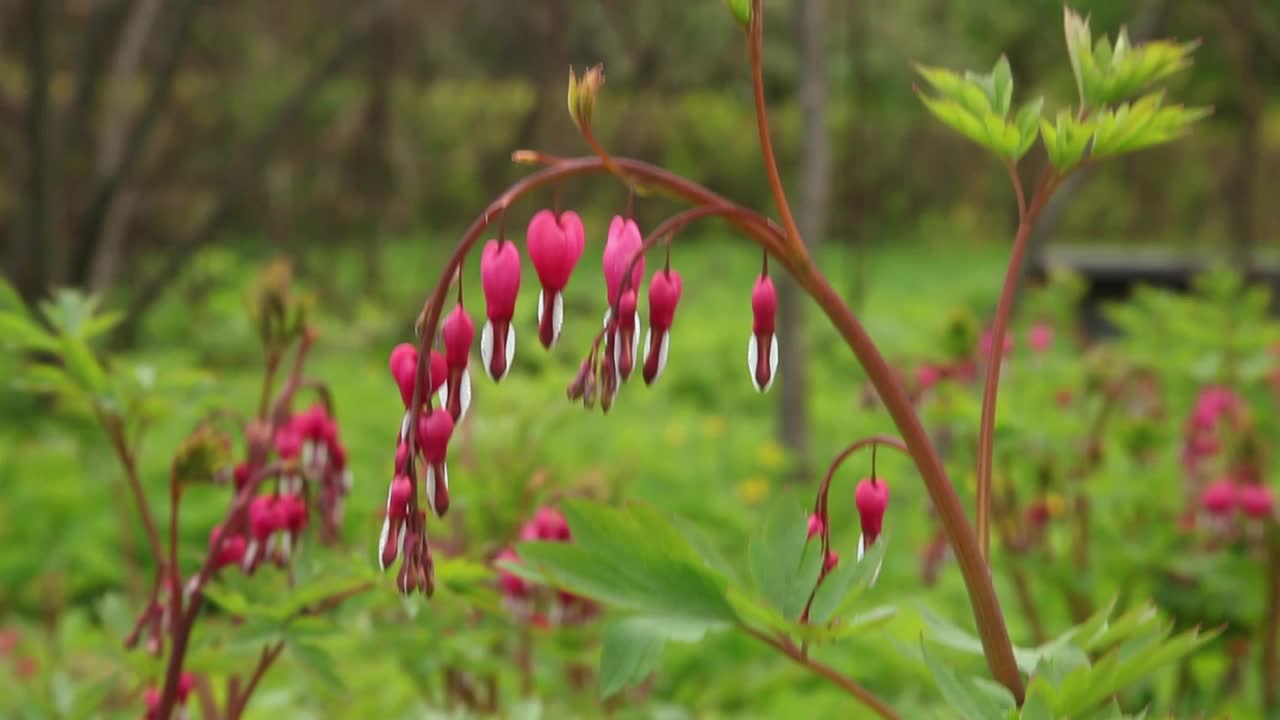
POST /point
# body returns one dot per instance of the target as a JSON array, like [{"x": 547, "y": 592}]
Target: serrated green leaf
[
  {"x": 1079, "y": 46},
  {"x": 845, "y": 583},
  {"x": 1039, "y": 704},
  {"x": 963, "y": 695},
  {"x": 1002, "y": 86},
  {"x": 784, "y": 564},
  {"x": 1028, "y": 123},
  {"x": 82, "y": 366},
  {"x": 18, "y": 331},
  {"x": 629, "y": 653}
]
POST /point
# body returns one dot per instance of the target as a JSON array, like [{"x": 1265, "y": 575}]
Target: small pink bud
[
  {"x": 1039, "y": 337},
  {"x": 815, "y": 527},
  {"x": 403, "y": 363},
  {"x": 628, "y": 335},
  {"x": 1256, "y": 501},
  {"x": 510, "y": 584},
  {"x": 555, "y": 245},
  {"x": 830, "y": 562},
  {"x": 151, "y": 699},
  {"x": 988, "y": 340},
  {"x": 664, "y": 295},
  {"x": 186, "y": 682},
  {"x": 458, "y": 332},
  {"x": 762, "y": 350},
  {"x": 1220, "y": 497},
  {"x": 294, "y": 510},
  {"x": 242, "y": 474},
  {"x": 547, "y": 524},
  {"x": 1038, "y": 514},
  {"x": 927, "y": 375},
  {"x": 872, "y": 498},
  {"x": 434, "y": 431},
  {"x": 500, "y": 279},
  {"x": 232, "y": 551}
]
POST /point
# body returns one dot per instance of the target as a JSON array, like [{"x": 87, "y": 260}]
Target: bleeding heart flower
[
  {"x": 458, "y": 332},
  {"x": 555, "y": 245},
  {"x": 1040, "y": 337},
  {"x": 232, "y": 550},
  {"x": 762, "y": 350},
  {"x": 1220, "y": 497},
  {"x": 664, "y": 295},
  {"x": 627, "y": 334},
  {"x": 815, "y": 527},
  {"x": 623, "y": 244},
  {"x": 872, "y": 498},
  {"x": 1256, "y": 501},
  {"x": 511, "y": 585},
  {"x": 500, "y": 278},
  {"x": 399, "y": 493},
  {"x": 434, "y": 431}
]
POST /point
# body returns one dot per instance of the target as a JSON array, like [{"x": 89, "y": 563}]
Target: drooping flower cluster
[
  {"x": 441, "y": 381},
  {"x": 871, "y": 497},
  {"x": 312, "y": 467},
  {"x": 1214, "y": 408},
  {"x": 537, "y": 605}
]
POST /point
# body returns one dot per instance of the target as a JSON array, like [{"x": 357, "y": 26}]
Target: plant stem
[
  {"x": 1269, "y": 663},
  {"x": 115, "y": 433},
  {"x": 236, "y": 705},
  {"x": 786, "y": 647},
  {"x": 995, "y": 358},
  {"x": 755, "y": 46}
]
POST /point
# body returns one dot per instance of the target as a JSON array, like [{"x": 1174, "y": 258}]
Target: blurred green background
[{"x": 159, "y": 152}]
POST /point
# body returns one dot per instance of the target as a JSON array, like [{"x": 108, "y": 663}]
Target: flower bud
[
  {"x": 434, "y": 432},
  {"x": 762, "y": 349},
  {"x": 815, "y": 527},
  {"x": 872, "y": 498},
  {"x": 664, "y": 295},
  {"x": 1040, "y": 337},
  {"x": 1220, "y": 497},
  {"x": 458, "y": 332},
  {"x": 555, "y": 244},
  {"x": 500, "y": 279},
  {"x": 1256, "y": 501}
]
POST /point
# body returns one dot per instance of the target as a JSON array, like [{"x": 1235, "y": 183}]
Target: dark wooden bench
[{"x": 1113, "y": 272}]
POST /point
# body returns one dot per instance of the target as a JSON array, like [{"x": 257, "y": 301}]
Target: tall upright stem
[{"x": 995, "y": 356}]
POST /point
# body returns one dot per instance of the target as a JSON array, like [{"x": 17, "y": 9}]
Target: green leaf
[
  {"x": 19, "y": 331},
  {"x": 317, "y": 661},
  {"x": 1079, "y": 47},
  {"x": 1066, "y": 140},
  {"x": 845, "y": 583},
  {"x": 613, "y": 560},
  {"x": 1039, "y": 705},
  {"x": 1002, "y": 86},
  {"x": 631, "y": 651},
  {"x": 1028, "y": 123},
  {"x": 971, "y": 701},
  {"x": 82, "y": 366},
  {"x": 784, "y": 564},
  {"x": 741, "y": 10}
]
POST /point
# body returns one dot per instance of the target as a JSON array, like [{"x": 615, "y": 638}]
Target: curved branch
[
  {"x": 820, "y": 504},
  {"x": 847, "y": 684},
  {"x": 755, "y": 44}
]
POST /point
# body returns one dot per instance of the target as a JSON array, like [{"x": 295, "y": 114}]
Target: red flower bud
[
  {"x": 1256, "y": 501},
  {"x": 664, "y": 295},
  {"x": 872, "y": 498},
  {"x": 434, "y": 431},
  {"x": 1220, "y": 497},
  {"x": 232, "y": 551},
  {"x": 262, "y": 518},
  {"x": 500, "y": 278},
  {"x": 628, "y": 335},
  {"x": 815, "y": 527},
  {"x": 511, "y": 585},
  {"x": 762, "y": 350},
  {"x": 1040, "y": 337},
  {"x": 458, "y": 332},
  {"x": 829, "y": 563},
  {"x": 555, "y": 245}
]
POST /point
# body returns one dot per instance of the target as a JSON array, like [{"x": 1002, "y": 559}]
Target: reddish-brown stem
[
  {"x": 268, "y": 379},
  {"x": 977, "y": 576},
  {"x": 1269, "y": 663},
  {"x": 755, "y": 46},
  {"x": 184, "y": 623},
  {"x": 789, "y": 649},
  {"x": 1018, "y": 192},
  {"x": 115, "y": 434},
  {"x": 236, "y": 705},
  {"x": 995, "y": 358},
  {"x": 174, "y": 575}
]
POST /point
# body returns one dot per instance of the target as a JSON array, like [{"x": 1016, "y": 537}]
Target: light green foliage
[
  {"x": 1105, "y": 125},
  {"x": 977, "y": 106}
]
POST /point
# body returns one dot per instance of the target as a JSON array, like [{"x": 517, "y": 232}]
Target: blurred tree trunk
[
  {"x": 813, "y": 198},
  {"x": 33, "y": 262},
  {"x": 378, "y": 184},
  {"x": 124, "y": 71},
  {"x": 251, "y": 159},
  {"x": 1242, "y": 184}
]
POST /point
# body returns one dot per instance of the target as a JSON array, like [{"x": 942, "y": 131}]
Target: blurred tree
[{"x": 814, "y": 191}]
